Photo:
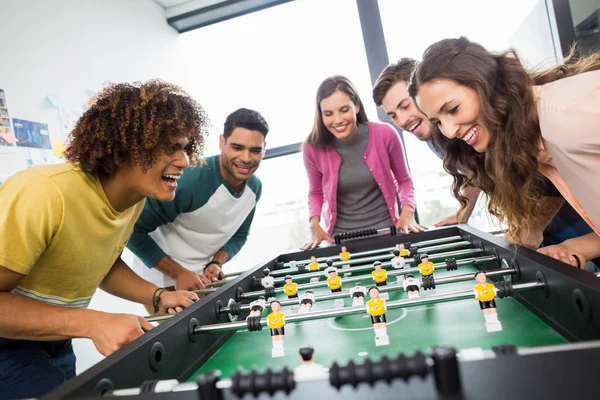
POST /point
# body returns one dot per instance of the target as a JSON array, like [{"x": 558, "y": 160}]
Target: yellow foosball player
[
  {"x": 276, "y": 323},
  {"x": 334, "y": 281},
  {"x": 379, "y": 275},
  {"x": 426, "y": 266},
  {"x": 403, "y": 251},
  {"x": 376, "y": 309},
  {"x": 290, "y": 288},
  {"x": 486, "y": 293},
  {"x": 345, "y": 256},
  {"x": 314, "y": 265}
]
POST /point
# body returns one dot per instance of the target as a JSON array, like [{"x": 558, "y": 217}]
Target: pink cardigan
[{"x": 384, "y": 157}]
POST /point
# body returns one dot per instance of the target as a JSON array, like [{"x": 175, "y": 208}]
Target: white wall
[
  {"x": 65, "y": 47},
  {"x": 533, "y": 38}
]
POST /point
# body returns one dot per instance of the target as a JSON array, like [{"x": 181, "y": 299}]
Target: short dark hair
[
  {"x": 329, "y": 262},
  {"x": 424, "y": 255},
  {"x": 373, "y": 287},
  {"x": 395, "y": 72},
  {"x": 245, "y": 118},
  {"x": 307, "y": 353},
  {"x": 266, "y": 271},
  {"x": 396, "y": 252},
  {"x": 274, "y": 301},
  {"x": 479, "y": 272},
  {"x": 410, "y": 276}
]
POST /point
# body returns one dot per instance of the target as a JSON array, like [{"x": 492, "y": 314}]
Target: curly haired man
[{"x": 64, "y": 227}]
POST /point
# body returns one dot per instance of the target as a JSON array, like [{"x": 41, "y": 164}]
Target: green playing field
[{"x": 459, "y": 324}]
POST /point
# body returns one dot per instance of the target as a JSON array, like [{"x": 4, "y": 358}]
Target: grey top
[{"x": 360, "y": 203}]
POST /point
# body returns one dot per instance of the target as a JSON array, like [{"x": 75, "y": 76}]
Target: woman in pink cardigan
[{"x": 355, "y": 168}]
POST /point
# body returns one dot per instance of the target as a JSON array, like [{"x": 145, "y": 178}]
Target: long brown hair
[
  {"x": 508, "y": 171},
  {"x": 320, "y": 135}
]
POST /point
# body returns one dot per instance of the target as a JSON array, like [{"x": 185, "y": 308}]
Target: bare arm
[
  {"x": 472, "y": 194},
  {"x": 122, "y": 282},
  {"x": 585, "y": 247},
  {"x": 541, "y": 221}
]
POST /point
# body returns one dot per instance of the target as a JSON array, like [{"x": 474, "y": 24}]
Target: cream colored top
[{"x": 569, "y": 114}]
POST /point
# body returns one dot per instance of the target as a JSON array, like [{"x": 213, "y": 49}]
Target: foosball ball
[{"x": 447, "y": 313}]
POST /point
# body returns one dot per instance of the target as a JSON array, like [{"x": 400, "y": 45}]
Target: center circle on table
[{"x": 357, "y": 320}]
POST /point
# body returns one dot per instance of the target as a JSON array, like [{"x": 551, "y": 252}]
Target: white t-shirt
[
  {"x": 361, "y": 289},
  {"x": 397, "y": 262},
  {"x": 307, "y": 296},
  {"x": 267, "y": 282},
  {"x": 411, "y": 282}
]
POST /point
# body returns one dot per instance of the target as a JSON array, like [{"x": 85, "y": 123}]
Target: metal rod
[
  {"x": 362, "y": 277},
  {"x": 386, "y": 288},
  {"x": 384, "y": 264},
  {"x": 320, "y": 314},
  {"x": 431, "y": 242},
  {"x": 358, "y": 259},
  {"x": 346, "y": 293}
]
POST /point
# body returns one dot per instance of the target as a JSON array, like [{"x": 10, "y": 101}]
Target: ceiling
[{"x": 186, "y": 15}]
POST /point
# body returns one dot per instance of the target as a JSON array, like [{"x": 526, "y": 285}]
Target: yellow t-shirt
[
  {"x": 404, "y": 253},
  {"x": 313, "y": 266},
  {"x": 290, "y": 289},
  {"x": 379, "y": 276},
  {"x": 60, "y": 231},
  {"x": 376, "y": 308},
  {"x": 426, "y": 270},
  {"x": 485, "y": 292},
  {"x": 344, "y": 256},
  {"x": 334, "y": 283},
  {"x": 275, "y": 320}
]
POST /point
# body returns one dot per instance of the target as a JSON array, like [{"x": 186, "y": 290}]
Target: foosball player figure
[
  {"x": 485, "y": 293},
  {"x": 306, "y": 301},
  {"x": 345, "y": 256},
  {"x": 379, "y": 275},
  {"x": 308, "y": 369},
  {"x": 268, "y": 280},
  {"x": 314, "y": 265},
  {"x": 403, "y": 250},
  {"x": 376, "y": 309},
  {"x": 334, "y": 281},
  {"x": 411, "y": 286},
  {"x": 257, "y": 307},
  {"x": 276, "y": 322},
  {"x": 358, "y": 293},
  {"x": 426, "y": 268},
  {"x": 290, "y": 288},
  {"x": 398, "y": 260}
]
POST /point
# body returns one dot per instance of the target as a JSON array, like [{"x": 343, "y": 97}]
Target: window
[{"x": 273, "y": 61}]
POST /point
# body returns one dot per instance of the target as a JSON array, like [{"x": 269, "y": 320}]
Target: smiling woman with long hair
[
  {"x": 502, "y": 124},
  {"x": 355, "y": 168}
]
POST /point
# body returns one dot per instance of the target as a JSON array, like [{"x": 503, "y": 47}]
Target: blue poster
[{"x": 32, "y": 134}]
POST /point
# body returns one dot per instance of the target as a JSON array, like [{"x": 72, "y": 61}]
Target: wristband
[
  {"x": 156, "y": 298},
  {"x": 213, "y": 262}
]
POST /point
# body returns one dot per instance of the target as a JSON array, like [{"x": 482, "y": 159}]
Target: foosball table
[{"x": 452, "y": 313}]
